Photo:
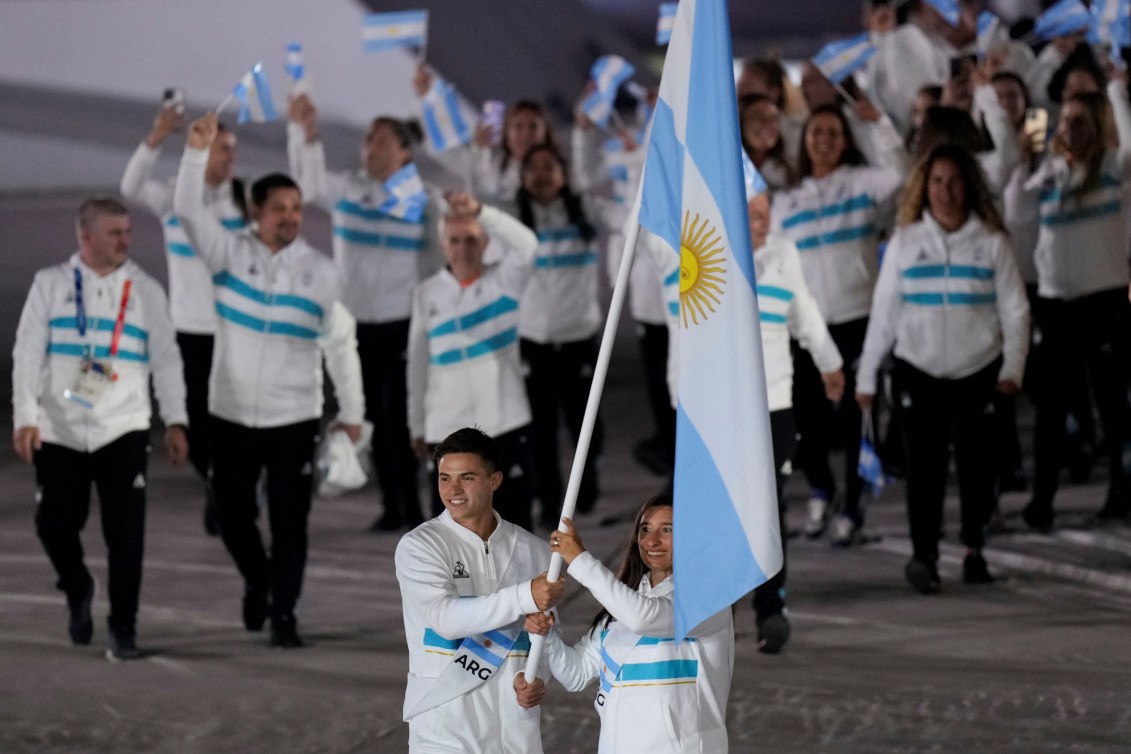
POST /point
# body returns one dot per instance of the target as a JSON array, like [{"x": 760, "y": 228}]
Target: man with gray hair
[{"x": 93, "y": 331}]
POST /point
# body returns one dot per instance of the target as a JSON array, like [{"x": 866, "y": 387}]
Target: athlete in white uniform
[
  {"x": 467, "y": 579},
  {"x": 654, "y": 694}
]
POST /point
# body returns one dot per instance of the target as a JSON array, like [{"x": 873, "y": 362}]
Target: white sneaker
[
  {"x": 844, "y": 531},
  {"x": 818, "y": 517}
]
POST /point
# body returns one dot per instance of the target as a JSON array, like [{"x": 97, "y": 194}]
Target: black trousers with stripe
[
  {"x": 287, "y": 454},
  {"x": 118, "y": 471}
]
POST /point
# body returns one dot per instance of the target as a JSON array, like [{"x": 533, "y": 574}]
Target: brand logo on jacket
[{"x": 460, "y": 571}]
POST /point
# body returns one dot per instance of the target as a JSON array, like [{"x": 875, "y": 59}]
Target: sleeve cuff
[{"x": 525, "y": 598}]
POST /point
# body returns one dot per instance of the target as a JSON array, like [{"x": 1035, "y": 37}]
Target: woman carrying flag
[{"x": 654, "y": 693}]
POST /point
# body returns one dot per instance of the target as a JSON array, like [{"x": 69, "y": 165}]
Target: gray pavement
[{"x": 1038, "y": 662}]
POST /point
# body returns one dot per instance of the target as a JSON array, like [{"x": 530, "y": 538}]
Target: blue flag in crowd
[
  {"x": 443, "y": 122},
  {"x": 609, "y": 72},
  {"x": 254, "y": 97},
  {"x": 839, "y": 60},
  {"x": 988, "y": 26},
  {"x": 665, "y": 22},
  {"x": 388, "y": 31},
  {"x": 294, "y": 66},
  {"x": 948, "y": 9},
  {"x": 407, "y": 197},
  {"x": 755, "y": 183},
  {"x": 1110, "y": 20},
  {"x": 692, "y": 196},
  {"x": 1066, "y": 17}
]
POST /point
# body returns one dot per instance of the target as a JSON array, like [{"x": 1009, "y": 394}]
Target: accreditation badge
[{"x": 91, "y": 382}]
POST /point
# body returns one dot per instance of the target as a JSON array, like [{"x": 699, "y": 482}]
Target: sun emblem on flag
[{"x": 701, "y": 270}]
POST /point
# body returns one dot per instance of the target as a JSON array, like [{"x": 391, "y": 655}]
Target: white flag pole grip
[{"x": 620, "y": 289}]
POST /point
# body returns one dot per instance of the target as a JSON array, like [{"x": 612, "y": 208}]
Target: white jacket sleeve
[
  {"x": 879, "y": 142},
  {"x": 644, "y": 615},
  {"x": 165, "y": 364},
  {"x": 806, "y": 324},
  {"x": 212, "y": 242},
  {"x": 339, "y": 349},
  {"x": 30, "y": 354},
  {"x": 308, "y": 168},
  {"x": 425, "y": 580},
  {"x": 575, "y": 667},
  {"x": 588, "y": 161},
  {"x": 417, "y": 369},
  {"x": 1006, "y": 155},
  {"x": 1013, "y": 311},
  {"x": 883, "y": 319},
  {"x": 518, "y": 242},
  {"x": 137, "y": 185},
  {"x": 1039, "y": 75},
  {"x": 1121, "y": 109}
]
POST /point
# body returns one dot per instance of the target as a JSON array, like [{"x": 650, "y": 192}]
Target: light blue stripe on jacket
[
  {"x": 952, "y": 271},
  {"x": 957, "y": 299},
  {"x": 100, "y": 325},
  {"x": 836, "y": 236},
  {"x": 243, "y": 319},
  {"x": 382, "y": 240},
  {"x": 496, "y": 308},
  {"x": 100, "y": 352},
  {"x": 664, "y": 670},
  {"x": 482, "y": 348},
  {"x": 227, "y": 280},
  {"x": 861, "y": 201}
]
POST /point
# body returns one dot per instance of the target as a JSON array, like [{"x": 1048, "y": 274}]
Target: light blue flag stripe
[
  {"x": 953, "y": 271},
  {"x": 482, "y": 652},
  {"x": 372, "y": 214},
  {"x": 1063, "y": 18},
  {"x": 839, "y": 60},
  {"x": 948, "y": 9},
  {"x": 663, "y": 179},
  {"x": 496, "y": 308},
  {"x": 227, "y": 280}
]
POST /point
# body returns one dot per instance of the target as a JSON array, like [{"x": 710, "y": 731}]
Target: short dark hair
[
  {"x": 471, "y": 440},
  {"x": 406, "y": 132},
  {"x": 261, "y": 189},
  {"x": 94, "y": 207}
]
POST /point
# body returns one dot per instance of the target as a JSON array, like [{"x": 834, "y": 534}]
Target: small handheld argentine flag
[
  {"x": 869, "y": 468},
  {"x": 988, "y": 26},
  {"x": 609, "y": 72},
  {"x": 1110, "y": 19},
  {"x": 444, "y": 124},
  {"x": 407, "y": 197},
  {"x": 839, "y": 60},
  {"x": 665, "y": 23},
  {"x": 295, "y": 69},
  {"x": 1064, "y": 18},
  {"x": 388, "y": 31},
  {"x": 255, "y": 98},
  {"x": 948, "y": 9}
]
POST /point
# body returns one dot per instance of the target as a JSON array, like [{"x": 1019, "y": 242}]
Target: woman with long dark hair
[
  {"x": 559, "y": 317},
  {"x": 834, "y": 217},
  {"x": 654, "y": 693},
  {"x": 951, "y": 303}
]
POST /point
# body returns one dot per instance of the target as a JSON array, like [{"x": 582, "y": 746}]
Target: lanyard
[{"x": 119, "y": 323}]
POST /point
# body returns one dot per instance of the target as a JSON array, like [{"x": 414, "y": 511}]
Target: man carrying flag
[{"x": 468, "y": 578}]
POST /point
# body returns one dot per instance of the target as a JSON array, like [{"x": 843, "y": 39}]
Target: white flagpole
[
  {"x": 620, "y": 289},
  {"x": 220, "y": 108}
]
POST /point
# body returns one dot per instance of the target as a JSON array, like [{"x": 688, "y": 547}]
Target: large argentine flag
[{"x": 693, "y": 197}]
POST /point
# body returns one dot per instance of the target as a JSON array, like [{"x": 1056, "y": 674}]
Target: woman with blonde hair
[{"x": 950, "y": 301}]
